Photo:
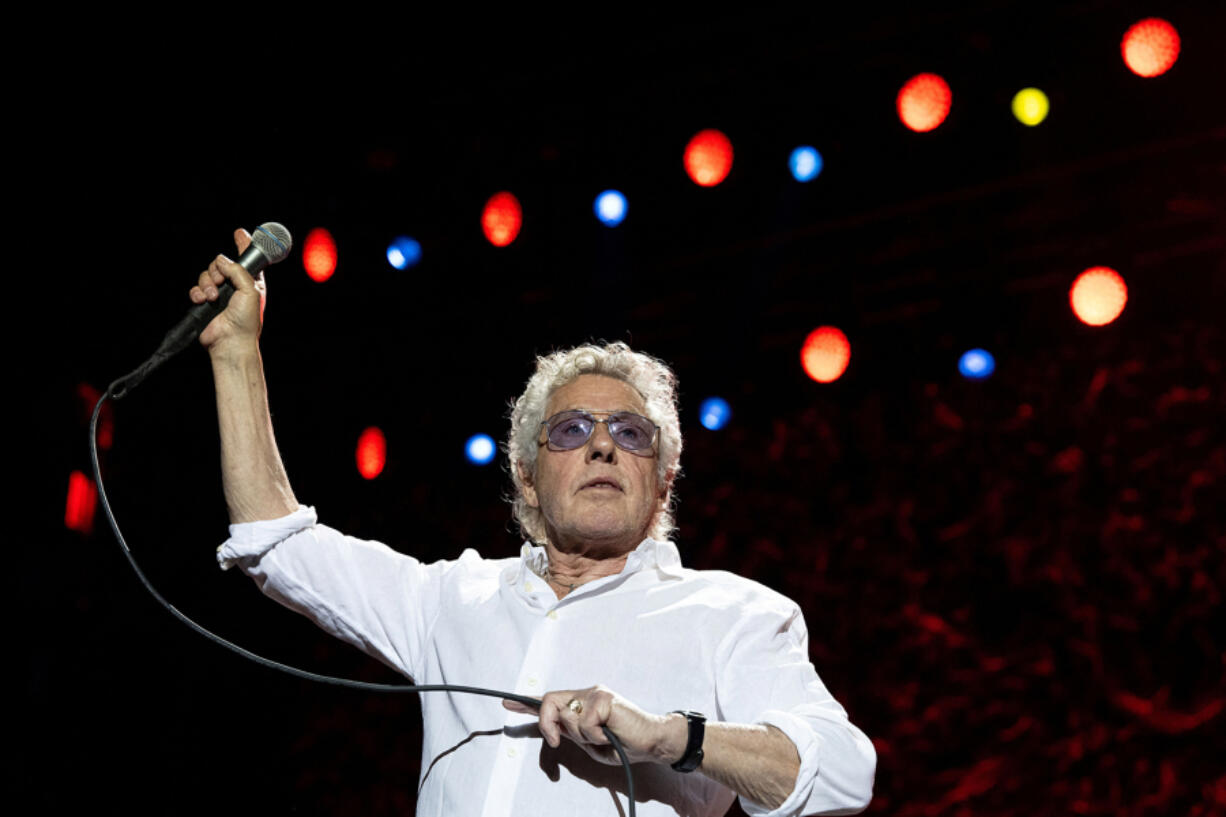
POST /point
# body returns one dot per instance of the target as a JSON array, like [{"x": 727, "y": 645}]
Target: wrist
[
  {"x": 674, "y": 734},
  {"x": 235, "y": 353}
]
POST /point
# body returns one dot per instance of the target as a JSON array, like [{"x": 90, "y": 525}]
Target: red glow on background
[
  {"x": 502, "y": 219},
  {"x": 1098, "y": 296},
  {"x": 319, "y": 255},
  {"x": 82, "y": 499},
  {"x": 106, "y": 426},
  {"x": 708, "y": 158},
  {"x": 1150, "y": 47},
  {"x": 825, "y": 354},
  {"x": 923, "y": 103},
  {"x": 371, "y": 453}
]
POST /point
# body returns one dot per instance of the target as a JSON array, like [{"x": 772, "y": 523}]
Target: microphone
[{"x": 270, "y": 243}]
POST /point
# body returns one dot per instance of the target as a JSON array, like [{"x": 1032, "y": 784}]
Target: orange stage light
[
  {"x": 1098, "y": 296},
  {"x": 708, "y": 158},
  {"x": 825, "y": 354},
  {"x": 502, "y": 219},
  {"x": 1150, "y": 47},
  {"x": 923, "y": 103},
  {"x": 319, "y": 255}
]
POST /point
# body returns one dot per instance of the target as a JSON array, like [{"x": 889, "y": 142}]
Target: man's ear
[
  {"x": 666, "y": 490},
  {"x": 527, "y": 485}
]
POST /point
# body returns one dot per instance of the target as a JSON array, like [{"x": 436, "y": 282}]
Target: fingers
[
  {"x": 580, "y": 715},
  {"x": 231, "y": 271},
  {"x": 206, "y": 286},
  {"x": 550, "y": 722},
  {"x": 242, "y": 240}
]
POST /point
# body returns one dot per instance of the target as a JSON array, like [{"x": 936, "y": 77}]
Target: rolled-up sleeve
[
  {"x": 765, "y": 676},
  {"x": 375, "y": 598}
]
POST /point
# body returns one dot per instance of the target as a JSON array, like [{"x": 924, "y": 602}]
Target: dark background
[{"x": 1014, "y": 586}]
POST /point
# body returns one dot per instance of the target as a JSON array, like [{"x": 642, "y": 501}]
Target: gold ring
[{"x": 574, "y": 706}]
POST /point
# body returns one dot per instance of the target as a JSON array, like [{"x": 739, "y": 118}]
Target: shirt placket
[{"x": 514, "y": 752}]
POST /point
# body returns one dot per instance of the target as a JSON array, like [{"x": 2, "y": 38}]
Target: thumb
[
  {"x": 242, "y": 239},
  {"x": 516, "y": 706}
]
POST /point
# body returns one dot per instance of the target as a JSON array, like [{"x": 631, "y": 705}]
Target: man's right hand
[{"x": 237, "y": 328}]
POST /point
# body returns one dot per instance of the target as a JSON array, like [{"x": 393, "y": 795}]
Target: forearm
[
  {"x": 253, "y": 476},
  {"x": 756, "y": 761}
]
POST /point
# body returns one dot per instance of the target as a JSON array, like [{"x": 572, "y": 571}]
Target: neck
[{"x": 568, "y": 570}]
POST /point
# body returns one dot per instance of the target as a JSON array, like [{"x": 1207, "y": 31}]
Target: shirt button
[
  {"x": 528, "y": 586},
  {"x": 511, "y": 752},
  {"x": 553, "y": 614},
  {"x": 532, "y": 681}
]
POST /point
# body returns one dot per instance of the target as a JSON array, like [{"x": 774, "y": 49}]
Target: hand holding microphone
[
  {"x": 225, "y": 279},
  {"x": 222, "y": 281}
]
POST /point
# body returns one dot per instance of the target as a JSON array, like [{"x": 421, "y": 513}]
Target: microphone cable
[{"x": 119, "y": 389}]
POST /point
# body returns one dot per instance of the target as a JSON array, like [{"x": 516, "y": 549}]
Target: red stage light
[
  {"x": 1150, "y": 47},
  {"x": 825, "y": 354},
  {"x": 1098, "y": 296},
  {"x": 923, "y": 103},
  {"x": 502, "y": 219},
  {"x": 708, "y": 158},
  {"x": 319, "y": 255},
  {"x": 82, "y": 500},
  {"x": 106, "y": 425},
  {"x": 371, "y": 453}
]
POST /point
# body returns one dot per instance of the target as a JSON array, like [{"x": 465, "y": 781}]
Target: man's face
[{"x": 596, "y": 498}]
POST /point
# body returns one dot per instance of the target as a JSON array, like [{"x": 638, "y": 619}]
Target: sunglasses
[{"x": 568, "y": 430}]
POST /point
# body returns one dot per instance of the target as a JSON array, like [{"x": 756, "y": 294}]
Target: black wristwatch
[{"x": 693, "y": 747}]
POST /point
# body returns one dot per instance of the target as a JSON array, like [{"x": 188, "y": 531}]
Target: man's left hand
[{"x": 579, "y": 714}]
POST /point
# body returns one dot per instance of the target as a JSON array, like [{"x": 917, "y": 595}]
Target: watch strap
[{"x": 693, "y": 748}]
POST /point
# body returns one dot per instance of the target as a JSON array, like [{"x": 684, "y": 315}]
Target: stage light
[
  {"x": 404, "y": 252},
  {"x": 977, "y": 364},
  {"x": 708, "y": 158},
  {"x": 825, "y": 354},
  {"x": 1098, "y": 296},
  {"x": 805, "y": 163},
  {"x": 82, "y": 500},
  {"x": 480, "y": 449},
  {"x": 89, "y": 397},
  {"x": 319, "y": 255},
  {"x": 923, "y": 103},
  {"x": 1030, "y": 106},
  {"x": 1150, "y": 47},
  {"x": 371, "y": 453},
  {"x": 714, "y": 413},
  {"x": 501, "y": 219},
  {"x": 611, "y": 208}
]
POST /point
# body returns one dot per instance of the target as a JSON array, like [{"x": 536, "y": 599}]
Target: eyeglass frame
[{"x": 647, "y": 451}]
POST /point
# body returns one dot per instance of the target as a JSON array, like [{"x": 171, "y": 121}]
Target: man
[{"x": 596, "y": 616}]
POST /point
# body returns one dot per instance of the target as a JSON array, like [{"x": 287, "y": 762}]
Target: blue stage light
[
  {"x": 805, "y": 163},
  {"x": 403, "y": 253},
  {"x": 977, "y": 364},
  {"x": 611, "y": 208},
  {"x": 714, "y": 413},
  {"x": 480, "y": 449}
]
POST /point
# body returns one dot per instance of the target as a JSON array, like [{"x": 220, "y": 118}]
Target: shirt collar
[{"x": 650, "y": 554}]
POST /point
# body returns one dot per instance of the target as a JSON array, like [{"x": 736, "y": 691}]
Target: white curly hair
[{"x": 653, "y": 380}]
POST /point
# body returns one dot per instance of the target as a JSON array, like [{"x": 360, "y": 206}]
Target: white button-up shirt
[{"x": 661, "y": 635}]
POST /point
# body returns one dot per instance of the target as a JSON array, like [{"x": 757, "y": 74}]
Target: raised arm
[{"x": 253, "y": 477}]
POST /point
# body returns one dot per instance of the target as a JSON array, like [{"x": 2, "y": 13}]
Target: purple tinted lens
[
  {"x": 571, "y": 429},
  {"x": 632, "y": 432}
]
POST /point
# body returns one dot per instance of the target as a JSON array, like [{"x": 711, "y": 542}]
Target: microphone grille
[{"x": 273, "y": 240}]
